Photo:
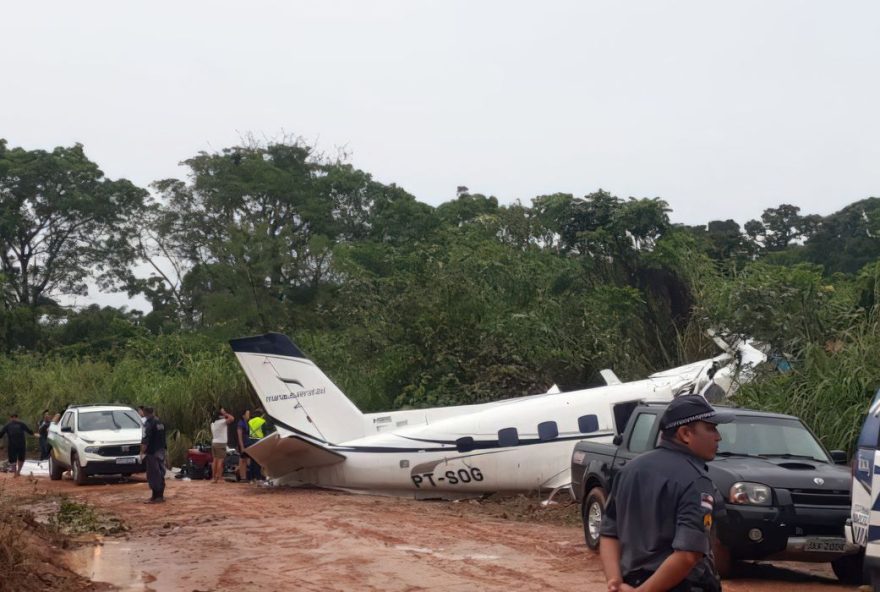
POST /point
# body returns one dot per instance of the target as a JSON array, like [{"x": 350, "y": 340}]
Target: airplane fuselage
[{"x": 518, "y": 444}]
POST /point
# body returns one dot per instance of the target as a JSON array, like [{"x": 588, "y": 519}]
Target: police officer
[
  {"x": 655, "y": 534},
  {"x": 153, "y": 451}
]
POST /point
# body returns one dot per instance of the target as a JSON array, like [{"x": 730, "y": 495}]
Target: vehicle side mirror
[
  {"x": 67, "y": 429},
  {"x": 839, "y": 457},
  {"x": 618, "y": 439}
]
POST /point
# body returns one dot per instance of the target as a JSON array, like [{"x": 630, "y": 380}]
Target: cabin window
[
  {"x": 508, "y": 437},
  {"x": 547, "y": 430},
  {"x": 465, "y": 444},
  {"x": 639, "y": 440},
  {"x": 588, "y": 424}
]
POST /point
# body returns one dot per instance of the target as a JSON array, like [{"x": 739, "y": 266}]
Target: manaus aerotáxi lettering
[{"x": 297, "y": 395}]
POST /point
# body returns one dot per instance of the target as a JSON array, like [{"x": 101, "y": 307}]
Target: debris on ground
[{"x": 30, "y": 550}]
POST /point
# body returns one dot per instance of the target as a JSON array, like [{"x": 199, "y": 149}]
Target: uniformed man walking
[
  {"x": 153, "y": 450},
  {"x": 656, "y": 531}
]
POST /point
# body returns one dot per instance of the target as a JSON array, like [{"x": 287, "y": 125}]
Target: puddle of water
[{"x": 111, "y": 562}]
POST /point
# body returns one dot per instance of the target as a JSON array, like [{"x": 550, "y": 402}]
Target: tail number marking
[{"x": 451, "y": 477}]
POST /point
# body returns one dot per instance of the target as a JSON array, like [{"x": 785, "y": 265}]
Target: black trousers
[
  {"x": 156, "y": 473},
  {"x": 45, "y": 449},
  {"x": 637, "y": 578}
]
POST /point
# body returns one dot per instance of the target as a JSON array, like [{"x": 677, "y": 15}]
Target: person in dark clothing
[
  {"x": 43, "y": 431},
  {"x": 656, "y": 531},
  {"x": 153, "y": 450},
  {"x": 241, "y": 437},
  {"x": 15, "y": 432}
]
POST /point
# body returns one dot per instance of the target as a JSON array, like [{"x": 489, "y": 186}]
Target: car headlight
[
  {"x": 92, "y": 449},
  {"x": 750, "y": 493}
]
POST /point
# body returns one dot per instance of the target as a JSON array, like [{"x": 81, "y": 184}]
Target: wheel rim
[{"x": 594, "y": 520}]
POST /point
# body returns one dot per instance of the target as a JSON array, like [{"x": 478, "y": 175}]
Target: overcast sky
[{"x": 721, "y": 109}]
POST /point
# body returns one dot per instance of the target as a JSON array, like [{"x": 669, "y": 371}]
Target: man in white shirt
[{"x": 219, "y": 435}]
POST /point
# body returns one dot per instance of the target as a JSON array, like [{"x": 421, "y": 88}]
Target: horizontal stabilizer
[
  {"x": 609, "y": 377},
  {"x": 280, "y": 456}
]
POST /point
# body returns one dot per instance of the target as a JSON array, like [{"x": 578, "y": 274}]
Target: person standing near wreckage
[
  {"x": 219, "y": 441},
  {"x": 16, "y": 442},
  {"x": 153, "y": 450},
  {"x": 43, "y": 431},
  {"x": 656, "y": 531},
  {"x": 255, "y": 434},
  {"x": 242, "y": 433}
]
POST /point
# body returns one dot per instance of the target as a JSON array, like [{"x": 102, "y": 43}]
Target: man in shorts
[
  {"x": 219, "y": 440},
  {"x": 15, "y": 434}
]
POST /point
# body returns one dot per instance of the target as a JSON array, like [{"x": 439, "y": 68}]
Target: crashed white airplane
[{"x": 520, "y": 444}]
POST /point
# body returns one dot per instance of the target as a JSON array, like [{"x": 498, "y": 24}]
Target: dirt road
[{"x": 227, "y": 536}]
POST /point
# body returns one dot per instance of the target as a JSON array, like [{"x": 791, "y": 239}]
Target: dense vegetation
[{"x": 405, "y": 304}]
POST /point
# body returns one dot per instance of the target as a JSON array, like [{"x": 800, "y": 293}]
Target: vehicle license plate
[
  {"x": 126, "y": 461},
  {"x": 825, "y": 545}
]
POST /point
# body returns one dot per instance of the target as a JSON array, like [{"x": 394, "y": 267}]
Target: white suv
[{"x": 96, "y": 440}]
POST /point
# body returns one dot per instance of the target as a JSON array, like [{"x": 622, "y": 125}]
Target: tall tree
[
  {"x": 849, "y": 239},
  {"x": 61, "y": 222},
  {"x": 252, "y": 233},
  {"x": 780, "y": 226}
]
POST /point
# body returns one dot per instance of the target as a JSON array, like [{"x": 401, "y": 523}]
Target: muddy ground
[{"x": 228, "y": 536}]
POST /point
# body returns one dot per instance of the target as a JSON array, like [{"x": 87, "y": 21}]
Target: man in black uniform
[
  {"x": 153, "y": 451},
  {"x": 43, "y": 432},
  {"x": 658, "y": 520},
  {"x": 15, "y": 433}
]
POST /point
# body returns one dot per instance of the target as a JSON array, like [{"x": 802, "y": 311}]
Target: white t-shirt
[{"x": 219, "y": 431}]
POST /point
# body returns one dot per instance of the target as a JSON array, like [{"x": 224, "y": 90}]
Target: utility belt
[{"x": 707, "y": 584}]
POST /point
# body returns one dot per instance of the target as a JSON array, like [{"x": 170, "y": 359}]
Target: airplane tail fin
[{"x": 295, "y": 393}]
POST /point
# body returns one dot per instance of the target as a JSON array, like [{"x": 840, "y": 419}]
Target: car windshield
[
  {"x": 108, "y": 420},
  {"x": 769, "y": 436}
]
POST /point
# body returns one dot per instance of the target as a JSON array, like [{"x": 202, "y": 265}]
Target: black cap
[{"x": 686, "y": 409}]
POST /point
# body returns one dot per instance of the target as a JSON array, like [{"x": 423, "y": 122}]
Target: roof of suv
[{"x": 99, "y": 408}]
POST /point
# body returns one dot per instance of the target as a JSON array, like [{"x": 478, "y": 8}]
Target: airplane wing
[{"x": 282, "y": 455}]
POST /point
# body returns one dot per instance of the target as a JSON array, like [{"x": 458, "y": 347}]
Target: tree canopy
[{"x": 405, "y": 304}]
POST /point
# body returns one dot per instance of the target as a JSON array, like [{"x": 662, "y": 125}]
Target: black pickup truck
[{"x": 786, "y": 496}]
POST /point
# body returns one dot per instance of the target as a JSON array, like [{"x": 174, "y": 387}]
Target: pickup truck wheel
[
  {"x": 593, "y": 510},
  {"x": 79, "y": 475},
  {"x": 56, "y": 471},
  {"x": 850, "y": 569}
]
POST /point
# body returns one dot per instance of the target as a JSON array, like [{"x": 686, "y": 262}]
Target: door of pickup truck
[
  {"x": 64, "y": 440},
  {"x": 641, "y": 436}
]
